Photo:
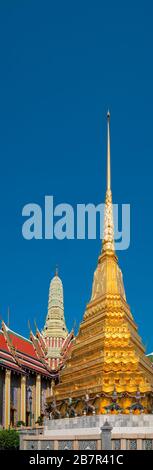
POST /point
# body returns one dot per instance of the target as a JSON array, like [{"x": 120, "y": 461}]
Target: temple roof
[
  {"x": 6, "y": 358},
  {"x": 20, "y": 353}
]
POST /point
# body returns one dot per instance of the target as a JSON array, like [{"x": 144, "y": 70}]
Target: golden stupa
[{"x": 108, "y": 369}]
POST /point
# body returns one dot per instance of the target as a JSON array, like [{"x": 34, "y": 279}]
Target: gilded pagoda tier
[
  {"x": 107, "y": 340},
  {"x": 107, "y": 354},
  {"x": 108, "y": 351}
]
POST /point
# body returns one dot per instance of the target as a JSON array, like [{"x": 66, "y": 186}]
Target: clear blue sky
[{"x": 62, "y": 64}]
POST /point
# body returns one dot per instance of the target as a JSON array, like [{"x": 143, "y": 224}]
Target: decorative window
[
  {"x": 65, "y": 445},
  {"x": 87, "y": 445},
  {"x": 132, "y": 444},
  {"x": 148, "y": 444}
]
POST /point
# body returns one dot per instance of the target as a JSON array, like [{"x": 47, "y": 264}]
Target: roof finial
[
  {"x": 108, "y": 153},
  {"x": 56, "y": 271},
  {"x": 8, "y": 316},
  {"x": 108, "y": 238}
]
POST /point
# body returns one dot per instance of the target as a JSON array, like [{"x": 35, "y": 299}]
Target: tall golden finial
[
  {"x": 108, "y": 238},
  {"x": 108, "y": 153}
]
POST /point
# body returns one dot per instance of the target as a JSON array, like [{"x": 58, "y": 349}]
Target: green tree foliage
[{"x": 9, "y": 439}]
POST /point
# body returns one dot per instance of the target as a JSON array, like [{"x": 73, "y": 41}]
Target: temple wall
[
  {"x": 87, "y": 422},
  {"x": 12, "y": 408},
  {"x": 93, "y": 433},
  {"x": 2, "y": 396},
  {"x": 15, "y": 398},
  {"x": 128, "y": 441}
]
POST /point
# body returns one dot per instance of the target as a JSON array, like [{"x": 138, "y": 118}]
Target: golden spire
[
  {"x": 108, "y": 153},
  {"x": 108, "y": 239}
]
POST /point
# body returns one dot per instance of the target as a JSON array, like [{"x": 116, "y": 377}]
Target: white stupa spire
[{"x": 55, "y": 330}]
